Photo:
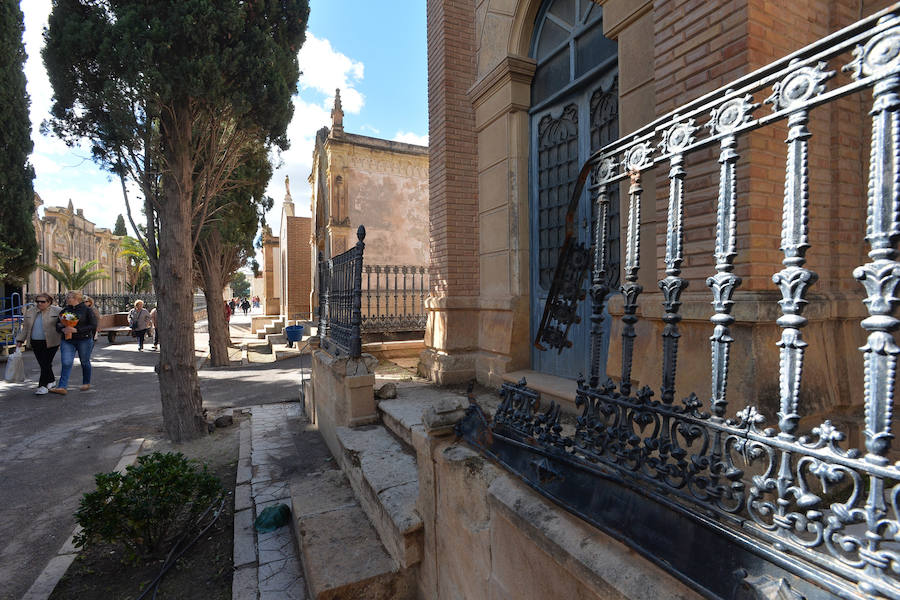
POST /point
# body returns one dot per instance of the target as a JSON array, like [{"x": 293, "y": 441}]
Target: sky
[{"x": 375, "y": 52}]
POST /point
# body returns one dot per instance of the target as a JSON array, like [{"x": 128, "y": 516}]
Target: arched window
[{"x": 574, "y": 111}]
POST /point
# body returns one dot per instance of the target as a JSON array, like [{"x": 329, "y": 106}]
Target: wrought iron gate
[{"x": 733, "y": 506}]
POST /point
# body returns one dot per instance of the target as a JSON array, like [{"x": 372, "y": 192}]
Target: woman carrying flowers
[
  {"x": 39, "y": 333},
  {"x": 77, "y": 324}
]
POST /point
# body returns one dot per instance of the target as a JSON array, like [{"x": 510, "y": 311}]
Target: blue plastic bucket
[{"x": 294, "y": 333}]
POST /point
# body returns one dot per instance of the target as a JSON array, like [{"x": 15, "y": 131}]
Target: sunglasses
[{"x": 42, "y": 301}]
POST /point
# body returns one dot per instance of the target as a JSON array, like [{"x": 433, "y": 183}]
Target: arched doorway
[{"x": 574, "y": 99}]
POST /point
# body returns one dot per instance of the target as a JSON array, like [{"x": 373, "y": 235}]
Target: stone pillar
[
  {"x": 451, "y": 337},
  {"x": 271, "y": 300}
]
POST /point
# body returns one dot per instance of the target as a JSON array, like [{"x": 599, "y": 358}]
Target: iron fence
[
  {"x": 340, "y": 302},
  {"x": 393, "y": 298},
  {"x": 771, "y": 513},
  {"x": 109, "y": 303}
]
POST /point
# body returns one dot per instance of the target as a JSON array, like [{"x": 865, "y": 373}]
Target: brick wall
[
  {"x": 298, "y": 284},
  {"x": 453, "y": 184},
  {"x": 701, "y": 46}
]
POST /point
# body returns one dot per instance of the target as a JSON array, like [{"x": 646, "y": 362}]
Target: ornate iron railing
[
  {"x": 340, "y": 303},
  {"x": 393, "y": 298},
  {"x": 767, "y": 510}
]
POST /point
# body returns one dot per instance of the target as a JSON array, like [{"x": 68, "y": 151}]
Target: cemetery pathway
[{"x": 51, "y": 446}]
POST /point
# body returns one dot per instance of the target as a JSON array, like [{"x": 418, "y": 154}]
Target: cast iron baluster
[
  {"x": 638, "y": 156},
  {"x": 378, "y": 291},
  {"x": 881, "y": 278},
  {"x": 725, "y": 119},
  {"x": 396, "y": 295},
  {"x": 676, "y": 139},
  {"x": 405, "y": 296},
  {"x": 325, "y": 286},
  {"x": 600, "y": 280},
  {"x": 422, "y": 318},
  {"x": 368, "y": 316},
  {"x": 356, "y": 318},
  {"x": 321, "y": 325},
  {"x": 794, "y": 279}
]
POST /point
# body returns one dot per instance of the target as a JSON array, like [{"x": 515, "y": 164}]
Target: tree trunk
[
  {"x": 179, "y": 389},
  {"x": 219, "y": 331}
]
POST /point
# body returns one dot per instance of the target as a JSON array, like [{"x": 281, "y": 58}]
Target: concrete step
[
  {"x": 274, "y": 327},
  {"x": 384, "y": 476},
  {"x": 340, "y": 550},
  {"x": 275, "y": 338}
]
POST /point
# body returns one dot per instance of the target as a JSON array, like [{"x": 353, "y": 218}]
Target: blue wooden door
[{"x": 575, "y": 111}]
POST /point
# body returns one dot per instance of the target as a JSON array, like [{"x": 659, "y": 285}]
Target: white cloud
[
  {"x": 36, "y": 14},
  {"x": 411, "y": 138},
  {"x": 324, "y": 69},
  {"x": 100, "y": 199},
  {"x": 63, "y": 173}
]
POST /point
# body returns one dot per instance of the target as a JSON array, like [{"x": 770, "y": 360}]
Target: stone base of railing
[
  {"x": 445, "y": 368},
  {"x": 342, "y": 393}
]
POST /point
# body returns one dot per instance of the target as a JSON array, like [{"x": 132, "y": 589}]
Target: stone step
[
  {"x": 342, "y": 555},
  {"x": 275, "y": 338},
  {"x": 384, "y": 476}
]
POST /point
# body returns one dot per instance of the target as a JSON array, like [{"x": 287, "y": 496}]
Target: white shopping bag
[{"x": 15, "y": 368}]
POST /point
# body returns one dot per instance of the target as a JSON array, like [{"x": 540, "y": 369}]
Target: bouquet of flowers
[{"x": 69, "y": 319}]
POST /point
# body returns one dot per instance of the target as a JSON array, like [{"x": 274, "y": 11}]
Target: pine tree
[
  {"x": 172, "y": 95},
  {"x": 18, "y": 245},
  {"x": 119, "y": 229}
]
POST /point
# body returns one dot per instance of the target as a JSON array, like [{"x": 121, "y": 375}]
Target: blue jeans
[{"x": 67, "y": 350}]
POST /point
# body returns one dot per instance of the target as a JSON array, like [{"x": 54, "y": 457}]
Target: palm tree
[
  {"x": 138, "y": 267},
  {"x": 72, "y": 279}
]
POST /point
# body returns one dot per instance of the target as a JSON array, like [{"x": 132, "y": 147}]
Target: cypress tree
[
  {"x": 173, "y": 95},
  {"x": 18, "y": 245},
  {"x": 120, "y": 226}
]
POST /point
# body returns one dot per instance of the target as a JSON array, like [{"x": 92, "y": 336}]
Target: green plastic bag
[{"x": 272, "y": 518}]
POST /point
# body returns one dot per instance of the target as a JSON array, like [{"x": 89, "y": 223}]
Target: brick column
[
  {"x": 271, "y": 299},
  {"x": 452, "y": 331}
]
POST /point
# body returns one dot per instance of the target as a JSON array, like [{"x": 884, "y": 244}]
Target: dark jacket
[{"x": 87, "y": 321}]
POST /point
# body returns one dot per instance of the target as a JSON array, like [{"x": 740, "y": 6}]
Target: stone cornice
[
  {"x": 512, "y": 69},
  {"x": 639, "y": 10}
]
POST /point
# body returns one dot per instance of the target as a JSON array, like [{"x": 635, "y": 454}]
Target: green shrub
[{"x": 152, "y": 503}]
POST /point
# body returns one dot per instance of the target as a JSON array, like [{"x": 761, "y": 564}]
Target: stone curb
[
  {"x": 46, "y": 582},
  {"x": 244, "y": 583}
]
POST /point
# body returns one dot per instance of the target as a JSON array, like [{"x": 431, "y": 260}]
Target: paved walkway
[
  {"x": 266, "y": 564},
  {"x": 51, "y": 446}
]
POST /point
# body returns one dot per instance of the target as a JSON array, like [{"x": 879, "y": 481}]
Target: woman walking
[
  {"x": 39, "y": 333},
  {"x": 139, "y": 320},
  {"x": 89, "y": 302},
  {"x": 154, "y": 320},
  {"x": 77, "y": 324}
]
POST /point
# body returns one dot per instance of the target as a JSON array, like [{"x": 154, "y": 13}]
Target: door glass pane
[
  {"x": 558, "y": 165},
  {"x": 563, "y": 9},
  {"x": 552, "y": 35},
  {"x": 551, "y": 76},
  {"x": 589, "y": 11},
  {"x": 592, "y": 48}
]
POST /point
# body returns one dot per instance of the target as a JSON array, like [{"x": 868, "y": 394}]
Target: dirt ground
[{"x": 204, "y": 572}]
